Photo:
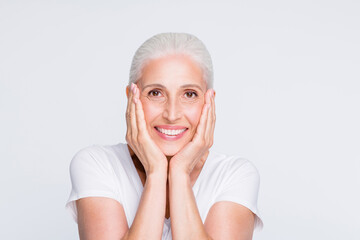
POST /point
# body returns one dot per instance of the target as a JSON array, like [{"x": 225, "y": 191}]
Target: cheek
[
  {"x": 151, "y": 110},
  {"x": 193, "y": 114}
]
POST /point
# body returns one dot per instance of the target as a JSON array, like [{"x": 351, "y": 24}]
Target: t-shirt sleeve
[
  {"x": 91, "y": 176},
  {"x": 241, "y": 185}
]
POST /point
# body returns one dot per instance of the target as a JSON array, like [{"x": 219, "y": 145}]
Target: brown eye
[
  {"x": 154, "y": 93},
  {"x": 191, "y": 94}
]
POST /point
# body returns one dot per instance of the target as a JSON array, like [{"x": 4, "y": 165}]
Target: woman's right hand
[{"x": 138, "y": 138}]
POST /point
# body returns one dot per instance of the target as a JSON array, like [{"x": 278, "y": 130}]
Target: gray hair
[{"x": 165, "y": 44}]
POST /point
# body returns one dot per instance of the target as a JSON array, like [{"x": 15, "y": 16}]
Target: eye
[
  {"x": 154, "y": 93},
  {"x": 191, "y": 94}
]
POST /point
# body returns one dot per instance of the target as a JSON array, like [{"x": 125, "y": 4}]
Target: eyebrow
[
  {"x": 162, "y": 86},
  {"x": 154, "y": 85},
  {"x": 191, "y": 86}
]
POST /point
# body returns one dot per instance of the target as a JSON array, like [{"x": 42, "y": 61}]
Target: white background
[{"x": 288, "y": 97}]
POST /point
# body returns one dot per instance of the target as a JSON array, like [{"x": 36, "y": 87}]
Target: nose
[{"x": 172, "y": 110}]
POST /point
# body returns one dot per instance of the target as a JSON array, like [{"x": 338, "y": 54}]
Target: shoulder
[
  {"x": 231, "y": 166},
  {"x": 239, "y": 182},
  {"x": 88, "y": 156},
  {"x": 96, "y": 156}
]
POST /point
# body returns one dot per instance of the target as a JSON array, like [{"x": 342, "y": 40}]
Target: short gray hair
[{"x": 165, "y": 44}]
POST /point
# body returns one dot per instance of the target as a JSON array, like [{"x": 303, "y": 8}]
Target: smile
[{"x": 170, "y": 132}]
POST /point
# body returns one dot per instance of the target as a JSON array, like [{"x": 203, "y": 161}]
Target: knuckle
[{"x": 128, "y": 115}]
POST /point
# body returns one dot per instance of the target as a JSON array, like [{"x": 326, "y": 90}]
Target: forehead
[{"x": 172, "y": 71}]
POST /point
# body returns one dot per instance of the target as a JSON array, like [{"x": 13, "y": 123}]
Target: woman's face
[{"x": 172, "y": 92}]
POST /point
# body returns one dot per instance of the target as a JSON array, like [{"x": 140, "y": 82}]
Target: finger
[
  {"x": 212, "y": 130},
  {"x": 132, "y": 114},
  {"x": 209, "y": 116},
  {"x": 128, "y": 108},
  {"x": 213, "y": 102},
  {"x": 203, "y": 118},
  {"x": 130, "y": 93},
  {"x": 140, "y": 117}
]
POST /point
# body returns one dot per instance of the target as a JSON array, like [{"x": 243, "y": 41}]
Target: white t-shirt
[{"x": 108, "y": 171}]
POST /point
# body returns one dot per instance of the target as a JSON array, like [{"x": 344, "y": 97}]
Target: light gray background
[{"x": 288, "y": 95}]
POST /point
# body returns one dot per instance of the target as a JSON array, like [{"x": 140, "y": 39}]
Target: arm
[
  {"x": 103, "y": 218},
  {"x": 100, "y": 218},
  {"x": 185, "y": 218},
  {"x": 229, "y": 220},
  {"x": 225, "y": 220},
  {"x": 149, "y": 218}
]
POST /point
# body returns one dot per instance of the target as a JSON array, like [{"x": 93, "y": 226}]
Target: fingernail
[
  {"x": 131, "y": 86},
  {"x": 136, "y": 100}
]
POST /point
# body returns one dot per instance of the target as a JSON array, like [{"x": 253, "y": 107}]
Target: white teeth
[{"x": 170, "y": 132}]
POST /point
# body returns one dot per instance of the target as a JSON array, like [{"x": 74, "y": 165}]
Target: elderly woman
[{"x": 165, "y": 183}]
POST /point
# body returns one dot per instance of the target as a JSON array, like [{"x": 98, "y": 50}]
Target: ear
[
  {"x": 127, "y": 91},
  {"x": 207, "y": 95},
  {"x": 212, "y": 91}
]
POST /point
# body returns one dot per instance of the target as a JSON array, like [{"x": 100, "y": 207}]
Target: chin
[{"x": 169, "y": 150}]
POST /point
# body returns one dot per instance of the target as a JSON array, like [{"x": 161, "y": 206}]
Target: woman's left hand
[{"x": 198, "y": 147}]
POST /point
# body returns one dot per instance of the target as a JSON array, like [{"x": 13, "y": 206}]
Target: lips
[{"x": 171, "y": 132}]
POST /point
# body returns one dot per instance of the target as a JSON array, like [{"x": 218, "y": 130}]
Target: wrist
[
  {"x": 156, "y": 178},
  {"x": 178, "y": 170},
  {"x": 159, "y": 169},
  {"x": 178, "y": 177}
]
